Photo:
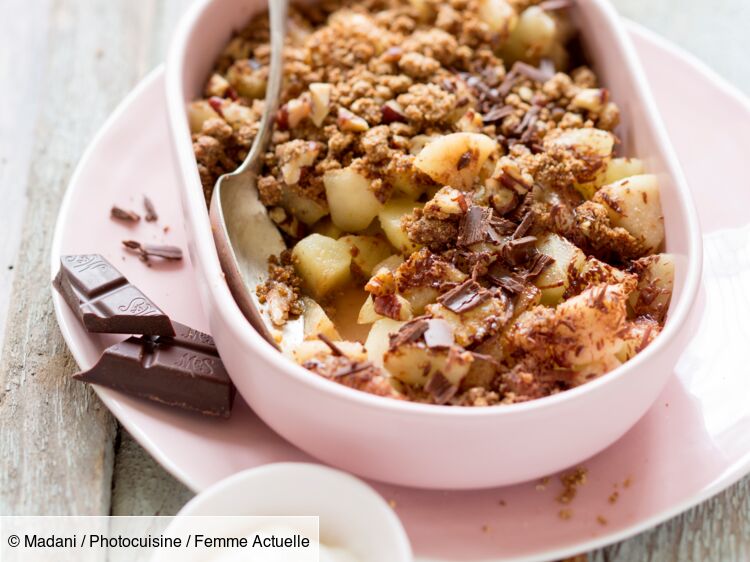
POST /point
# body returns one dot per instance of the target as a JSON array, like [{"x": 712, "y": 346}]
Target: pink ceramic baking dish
[{"x": 424, "y": 445}]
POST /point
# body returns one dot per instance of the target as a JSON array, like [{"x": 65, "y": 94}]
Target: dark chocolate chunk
[
  {"x": 441, "y": 388},
  {"x": 147, "y": 251},
  {"x": 508, "y": 281},
  {"x": 497, "y": 114},
  {"x": 151, "y": 214},
  {"x": 105, "y": 301},
  {"x": 539, "y": 263},
  {"x": 524, "y": 226},
  {"x": 518, "y": 250},
  {"x": 465, "y": 296},
  {"x": 183, "y": 371},
  {"x": 474, "y": 226},
  {"x": 409, "y": 332},
  {"x": 124, "y": 215}
]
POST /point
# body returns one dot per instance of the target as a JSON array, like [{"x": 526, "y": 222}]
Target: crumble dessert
[{"x": 454, "y": 160}]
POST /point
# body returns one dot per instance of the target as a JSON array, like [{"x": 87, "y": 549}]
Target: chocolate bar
[
  {"x": 184, "y": 371},
  {"x": 105, "y": 301}
]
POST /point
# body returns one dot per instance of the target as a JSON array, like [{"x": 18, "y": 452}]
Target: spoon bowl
[{"x": 245, "y": 236}]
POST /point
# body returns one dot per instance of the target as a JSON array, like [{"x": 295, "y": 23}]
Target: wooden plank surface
[{"x": 60, "y": 451}]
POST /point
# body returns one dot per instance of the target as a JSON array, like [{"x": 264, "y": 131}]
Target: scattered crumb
[
  {"x": 502, "y": 503},
  {"x": 626, "y": 483},
  {"x": 166, "y": 229},
  {"x": 392, "y": 503},
  {"x": 99, "y": 53},
  {"x": 601, "y": 520},
  {"x": 613, "y": 497},
  {"x": 10, "y": 267},
  {"x": 565, "y": 514},
  {"x": 571, "y": 481},
  {"x": 542, "y": 485},
  {"x": 485, "y": 528}
]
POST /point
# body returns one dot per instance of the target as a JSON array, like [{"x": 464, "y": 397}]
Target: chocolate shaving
[
  {"x": 147, "y": 251},
  {"x": 354, "y": 367},
  {"x": 440, "y": 388},
  {"x": 473, "y": 226},
  {"x": 503, "y": 227},
  {"x": 409, "y": 332},
  {"x": 464, "y": 160},
  {"x": 527, "y": 122},
  {"x": 539, "y": 263},
  {"x": 508, "y": 83},
  {"x": 497, "y": 114},
  {"x": 465, "y": 296},
  {"x": 510, "y": 282},
  {"x": 533, "y": 73},
  {"x": 336, "y": 350},
  {"x": 124, "y": 215},
  {"x": 151, "y": 214},
  {"x": 526, "y": 224},
  {"x": 439, "y": 333},
  {"x": 517, "y": 251}
]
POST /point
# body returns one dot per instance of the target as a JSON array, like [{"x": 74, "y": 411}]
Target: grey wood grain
[
  {"x": 56, "y": 439},
  {"x": 20, "y": 35}
]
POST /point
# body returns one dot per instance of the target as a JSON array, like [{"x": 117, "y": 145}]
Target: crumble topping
[{"x": 455, "y": 161}]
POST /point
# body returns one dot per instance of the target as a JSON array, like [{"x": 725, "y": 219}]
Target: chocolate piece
[
  {"x": 151, "y": 214},
  {"x": 538, "y": 264},
  {"x": 517, "y": 250},
  {"x": 508, "y": 281},
  {"x": 124, "y": 215},
  {"x": 474, "y": 225},
  {"x": 441, "y": 388},
  {"x": 105, "y": 301},
  {"x": 351, "y": 369},
  {"x": 183, "y": 371},
  {"x": 533, "y": 73},
  {"x": 147, "y": 251},
  {"x": 465, "y": 296},
  {"x": 409, "y": 332},
  {"x": 336, "y": 350},
  {"x": 524, "y": 226},
  {"x": 497, "y": 114}
]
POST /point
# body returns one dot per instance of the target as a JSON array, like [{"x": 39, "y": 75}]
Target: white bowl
[
  {"x": 353, "y": 517},
  {"x": 425, "y": 445}
]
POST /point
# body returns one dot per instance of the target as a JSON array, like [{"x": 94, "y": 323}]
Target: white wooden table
[{"x": 64, "y": 65}]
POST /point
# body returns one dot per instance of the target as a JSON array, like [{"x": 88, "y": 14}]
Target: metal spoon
[{"x": 244, "y": 234}]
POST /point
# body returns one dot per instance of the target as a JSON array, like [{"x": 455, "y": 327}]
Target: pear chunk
[
  {"x": 456, "y": 159},
  {"x": 324, "y": 264},
  {"x": 352, "y": 203}
]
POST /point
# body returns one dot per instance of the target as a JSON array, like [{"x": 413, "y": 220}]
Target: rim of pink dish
[
  {"x": 205, "y": 247},
  {"x": 303, "y": 407}
]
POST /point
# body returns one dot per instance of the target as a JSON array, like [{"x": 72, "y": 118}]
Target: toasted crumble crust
[{"x": 399, "y": 77}]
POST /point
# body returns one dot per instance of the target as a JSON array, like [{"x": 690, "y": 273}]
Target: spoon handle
[{"x": 278, "y": 10}]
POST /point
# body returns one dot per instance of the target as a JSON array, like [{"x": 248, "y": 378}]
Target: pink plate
[{"x": 694, "y": 442}]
